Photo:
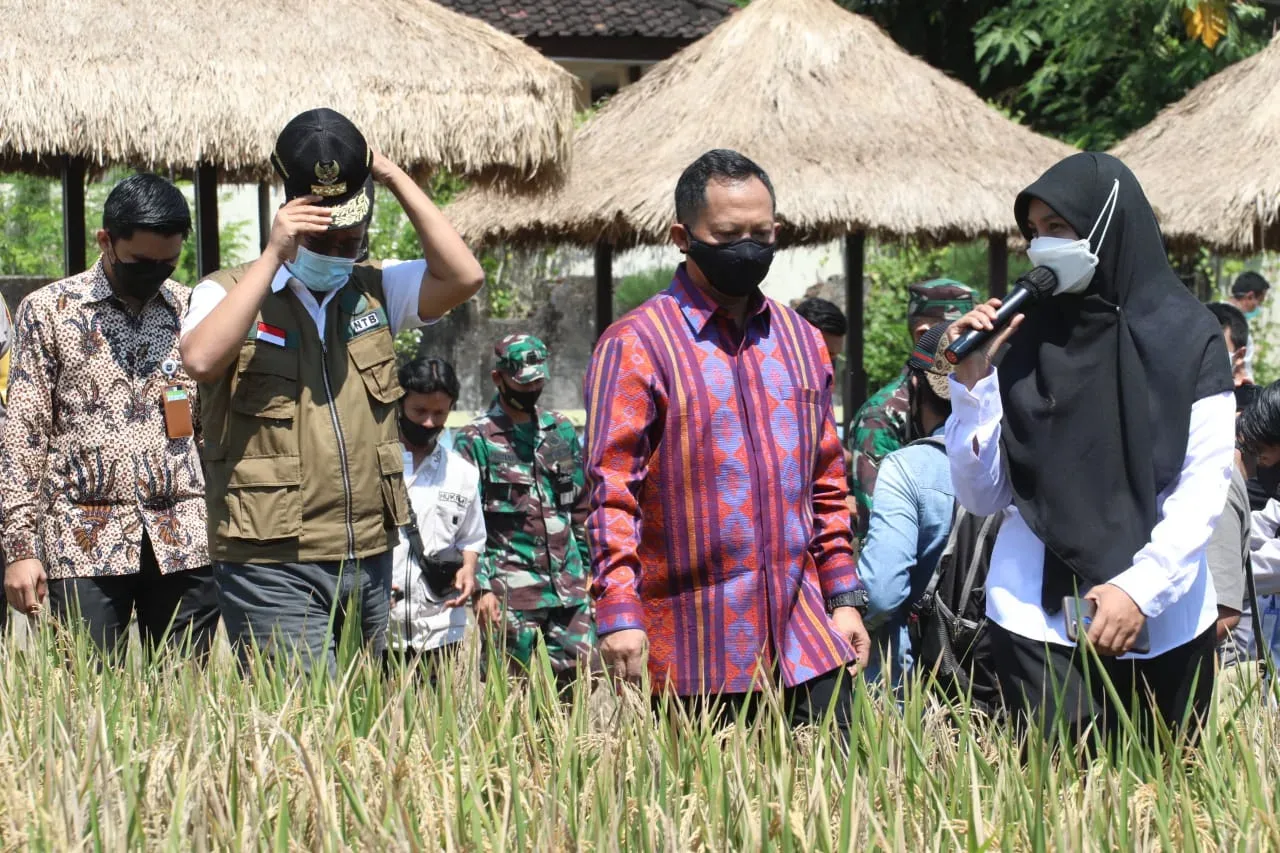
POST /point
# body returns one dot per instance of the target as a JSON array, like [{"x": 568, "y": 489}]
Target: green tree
[
  {"x": 893, "y": 267},
  {"x": 1092, "y": 71},
  {"x": 31, "y": 235}
]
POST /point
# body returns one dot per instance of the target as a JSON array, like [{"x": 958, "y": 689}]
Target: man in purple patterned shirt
[{"x": 719, "y": 534}]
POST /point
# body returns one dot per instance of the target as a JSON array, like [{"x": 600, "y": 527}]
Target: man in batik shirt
[{"x": 103, "y": 495}]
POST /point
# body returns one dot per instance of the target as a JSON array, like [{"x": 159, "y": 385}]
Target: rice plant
[{"x": 159, "y": 754}]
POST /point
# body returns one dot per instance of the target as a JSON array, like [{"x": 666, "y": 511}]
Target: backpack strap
[
  {"x": 932, "y": 441},
  {"x": 980, "y": 547},
  {"x": 931, "y": 589},
  {"x": 1264, "y": 649}
]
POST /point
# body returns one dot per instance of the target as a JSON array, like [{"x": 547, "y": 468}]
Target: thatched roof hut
[
  {"x": 1210, "y": 163},
  {"x": 167, "y": 84},
  {"x": 857, "y": 135}
]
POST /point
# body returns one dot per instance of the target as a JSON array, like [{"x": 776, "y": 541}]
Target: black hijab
[{"x": 1098, "y": 386}]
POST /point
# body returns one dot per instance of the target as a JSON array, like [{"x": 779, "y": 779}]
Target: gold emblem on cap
[{"x": 327, "y": 173}]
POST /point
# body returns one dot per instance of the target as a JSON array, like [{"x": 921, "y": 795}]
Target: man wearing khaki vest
[{"x": 303, "y": 463}]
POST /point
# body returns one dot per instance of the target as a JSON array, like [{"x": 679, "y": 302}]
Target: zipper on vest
[{"x": 342, "y": 455}]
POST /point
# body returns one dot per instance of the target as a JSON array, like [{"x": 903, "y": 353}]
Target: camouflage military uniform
[
  {"x": 535, "y": 503},
  {"x": 883, "y": 424}
]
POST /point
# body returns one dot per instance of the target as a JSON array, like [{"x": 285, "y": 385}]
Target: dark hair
[
  {"x": 927, "y": 394},
  {"x": 1259, "y": 423},
  {"x": 823, "y": 315},
  {"x": 1245, "y": 395},
  {"x": 1232, "y": 319},
  {"x": 691, "y": 189},
  {"x": 430, "y": 375},
  {"x": 146, "y": 202},
  {"x": 1249, "y": 282}
]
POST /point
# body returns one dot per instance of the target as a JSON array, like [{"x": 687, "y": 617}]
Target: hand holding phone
[{"x": 1110, "y": 619}]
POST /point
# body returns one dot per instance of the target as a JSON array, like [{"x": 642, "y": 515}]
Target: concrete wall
[{"x": 566, "y": 323}]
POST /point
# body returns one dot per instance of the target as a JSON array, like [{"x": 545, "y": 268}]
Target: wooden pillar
[
  {"x": 264, "y": 214},
  {"x": 73, "y": 225},
  {"x": 855, "y": 380},
  {"x": 207, "y": 251},
  {"x": 997, "y": 266},
  {"x": 604, "y": 286}
]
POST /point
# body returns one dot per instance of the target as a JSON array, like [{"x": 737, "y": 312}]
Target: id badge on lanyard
[{"x": 177, "y": 404}]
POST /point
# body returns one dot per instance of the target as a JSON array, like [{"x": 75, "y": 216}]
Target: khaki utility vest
[{"x": 302, "y": 453}]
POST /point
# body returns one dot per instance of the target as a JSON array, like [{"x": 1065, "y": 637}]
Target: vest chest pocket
[
  {"x": 266, "y": 382},
  {"x": 374, "y": 356},
  {"x": 264, "y": 498},
  {"x": 395, "y": 499}
]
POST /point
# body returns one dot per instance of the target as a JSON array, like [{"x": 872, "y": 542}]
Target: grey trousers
[{"x": 296, "y": 612}]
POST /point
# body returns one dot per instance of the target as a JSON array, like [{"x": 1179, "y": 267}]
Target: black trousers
[
  {"x": 805, "y": 704},
  {"x": 1062, "y": 685},
  {"x": 175, "y": 603}
]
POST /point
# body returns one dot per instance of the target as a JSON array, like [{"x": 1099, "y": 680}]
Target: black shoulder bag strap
[{"x": 1265, "y": 664}]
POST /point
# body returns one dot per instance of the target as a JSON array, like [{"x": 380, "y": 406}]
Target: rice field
[{"x": 167, "y": 755}]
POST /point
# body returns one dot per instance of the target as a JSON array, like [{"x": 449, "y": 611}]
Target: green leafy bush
[{"x": 632, "y": 290}]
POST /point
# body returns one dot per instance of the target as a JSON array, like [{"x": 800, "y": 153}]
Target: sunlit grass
[{"x": 167, "y": 755}]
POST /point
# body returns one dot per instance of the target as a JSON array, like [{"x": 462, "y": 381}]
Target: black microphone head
[{"x": 1039, "y": 282}]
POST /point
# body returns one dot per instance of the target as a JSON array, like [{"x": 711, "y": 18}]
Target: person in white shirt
[
  {"x": 1259, "y": 434},
  {"x": 433, "y": 566},
  {"x": 1106, "y": 437}
]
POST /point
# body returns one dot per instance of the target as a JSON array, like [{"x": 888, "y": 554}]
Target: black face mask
[
  {"x": 734, "y": 269},
  {"x": 140, "y": 280},
  {"x": 521, "y": 401},
  {"x": 1269, "y": 478},
  {"x": 416, "y": 435}
]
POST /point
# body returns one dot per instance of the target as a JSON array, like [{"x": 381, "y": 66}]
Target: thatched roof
[
  {"x": 1210, "y": 163},
  {"x": 166, "y": 83},
  {"x": 855, "y": 133}
]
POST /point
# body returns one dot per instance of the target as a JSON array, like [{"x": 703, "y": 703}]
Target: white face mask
[{"x": 1073, "y": 261}]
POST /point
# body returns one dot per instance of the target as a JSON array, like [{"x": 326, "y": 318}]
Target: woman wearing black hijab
[{"x": 1107, "y": 435}]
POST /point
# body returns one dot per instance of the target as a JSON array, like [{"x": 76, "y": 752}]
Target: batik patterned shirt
[
  {"x": 86, "y": 466},
  {"x": 718, "y": 520}
]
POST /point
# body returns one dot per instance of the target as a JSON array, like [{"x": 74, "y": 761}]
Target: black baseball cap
[{"x": 320, "y": 152}]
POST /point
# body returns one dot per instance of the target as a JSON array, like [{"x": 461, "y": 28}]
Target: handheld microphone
[{"x": 1029, "y": 289}]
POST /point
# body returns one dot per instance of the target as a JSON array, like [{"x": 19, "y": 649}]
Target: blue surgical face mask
[
  {"x": 320, "y": 273},
  {"x": 1253, "y": 315}
]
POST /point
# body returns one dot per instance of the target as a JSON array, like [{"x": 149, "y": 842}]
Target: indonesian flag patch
[{"x": 271, "y": 334}]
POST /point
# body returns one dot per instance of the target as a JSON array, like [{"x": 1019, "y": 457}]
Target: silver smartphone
[{"x": 1079, "y": 613}]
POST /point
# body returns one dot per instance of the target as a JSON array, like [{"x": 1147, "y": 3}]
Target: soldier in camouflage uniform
[
  {"x": 883, "y": 424},
  {"x": 532, "y": 575}
]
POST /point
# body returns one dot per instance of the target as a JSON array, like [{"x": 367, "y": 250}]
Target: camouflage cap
[
  {"x": 522, "y": 357},
  {"x": 929, "y": 358},
  {"x": 939, "y": 299}
]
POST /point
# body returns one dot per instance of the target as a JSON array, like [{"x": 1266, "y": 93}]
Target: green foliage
[
  {"x": 634, "y": 289},
  {"x": 892, "y": 268},
  {"x": 1092, "y": 71},
  {"x": 391, "y": 235},
  {"x": 406, "y": 345},
  {"x": 31, "y": 226}
]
